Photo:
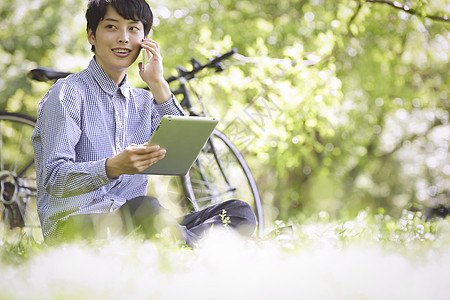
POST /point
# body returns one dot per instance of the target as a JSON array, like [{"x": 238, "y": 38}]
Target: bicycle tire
[
  {"x": 17, "y": 172},
  {"x": 221, "y": 173}
]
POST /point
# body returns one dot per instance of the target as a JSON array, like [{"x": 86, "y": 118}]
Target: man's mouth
[{"x": 121, "y": 50}]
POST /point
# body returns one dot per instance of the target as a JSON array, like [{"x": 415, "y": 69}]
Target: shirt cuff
[
  {"x": 98, "y": 172},
  {"x": 169, "y": 107}
]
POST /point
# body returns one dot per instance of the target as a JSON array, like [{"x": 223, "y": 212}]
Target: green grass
[{"x": 368, "y": 257}]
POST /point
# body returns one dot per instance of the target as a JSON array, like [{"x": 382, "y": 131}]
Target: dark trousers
[{"x": 145, "y": 215}]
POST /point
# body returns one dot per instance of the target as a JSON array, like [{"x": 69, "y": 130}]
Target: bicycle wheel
[
  {"x": 220, "y": 173},
  {"x": 17, "y": 171}
]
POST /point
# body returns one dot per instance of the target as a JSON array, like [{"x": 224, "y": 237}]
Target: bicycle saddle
[{"x": 46, "y": 74}]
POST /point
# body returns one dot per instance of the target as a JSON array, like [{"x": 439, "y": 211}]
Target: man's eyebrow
[{"x": 114, "y": 20}]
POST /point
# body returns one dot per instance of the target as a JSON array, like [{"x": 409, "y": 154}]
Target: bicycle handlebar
[{"x": 197, "y": 67}]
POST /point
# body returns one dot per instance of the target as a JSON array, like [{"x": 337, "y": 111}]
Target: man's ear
[{"x": 91, "y": 37}]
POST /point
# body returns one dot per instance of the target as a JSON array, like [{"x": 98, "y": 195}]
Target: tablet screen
[{"x": 183, "y": 137}]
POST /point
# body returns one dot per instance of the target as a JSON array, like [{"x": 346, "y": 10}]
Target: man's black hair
[{"x": 136, "y": 10}]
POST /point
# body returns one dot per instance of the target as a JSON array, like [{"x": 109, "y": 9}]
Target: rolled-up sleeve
[{"x": 169, "y": 107}]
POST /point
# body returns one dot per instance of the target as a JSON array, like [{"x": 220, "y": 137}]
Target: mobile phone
[
  {"x": 143, "y": 59},
  {"x": 143, "y": 52}
]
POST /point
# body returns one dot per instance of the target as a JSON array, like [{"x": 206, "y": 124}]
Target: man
[{"x": 91, "y": 136}]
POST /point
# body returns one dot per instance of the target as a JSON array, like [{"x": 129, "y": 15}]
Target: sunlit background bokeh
[{"x": 337, "y": 105}]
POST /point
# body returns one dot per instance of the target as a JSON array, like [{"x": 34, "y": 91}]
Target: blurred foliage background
[{"x": 337, "y": 105}]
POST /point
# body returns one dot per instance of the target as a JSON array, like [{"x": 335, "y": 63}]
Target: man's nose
[{"x": 123, "y": 36}]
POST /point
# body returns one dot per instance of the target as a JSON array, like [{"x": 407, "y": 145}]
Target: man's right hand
[{"x": 133, "y": 159}]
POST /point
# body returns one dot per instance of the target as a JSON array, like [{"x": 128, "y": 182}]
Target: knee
[
  {"x": 144, "y": 205},
  {"x": 242, "y": 216},
  {"x": 143, "y": 214}
]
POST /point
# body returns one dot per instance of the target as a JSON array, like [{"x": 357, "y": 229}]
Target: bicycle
[{"x": 219, "y": 173}]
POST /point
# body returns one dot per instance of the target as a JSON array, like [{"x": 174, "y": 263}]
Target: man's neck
[
  {"x": 119, "y": 78},
  {"x": 116, "y": 76}
]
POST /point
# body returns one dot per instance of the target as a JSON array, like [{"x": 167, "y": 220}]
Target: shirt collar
[{"x": 105, "y": 82}]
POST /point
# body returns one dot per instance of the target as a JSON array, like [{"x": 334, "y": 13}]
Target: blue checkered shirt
[{"x": 83, "y": 120}]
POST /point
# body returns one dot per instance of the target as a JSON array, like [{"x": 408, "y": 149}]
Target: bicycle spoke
[
  {"x": 6, "y": 213},
  {"x": 22, "y": 209},
  {"x": 219, "y": 163},
  {"x": 18, "y": 150},
  {"x": 212, "y": 198},
  {"x": 1, "y": 147},
  {"x": 203, "y": 187},
  {"x": 22, "y": 172}
]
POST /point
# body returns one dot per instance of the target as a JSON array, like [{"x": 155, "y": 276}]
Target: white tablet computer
[{"x": 183, "y": 137}]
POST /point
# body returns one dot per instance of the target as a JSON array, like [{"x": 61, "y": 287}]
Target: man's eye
[
  {"x": 134, "y": 28},
  {"x": 110, "y": 26}
]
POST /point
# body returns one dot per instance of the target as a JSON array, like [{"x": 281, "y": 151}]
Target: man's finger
[
  {"x": 146, "y": 148},
  {"x": 152, "y": 161},
  {"x": 150, "y": 155}
]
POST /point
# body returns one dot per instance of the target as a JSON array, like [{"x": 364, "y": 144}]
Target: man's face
[{"x": 116, "y": 42}]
